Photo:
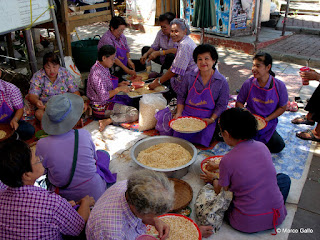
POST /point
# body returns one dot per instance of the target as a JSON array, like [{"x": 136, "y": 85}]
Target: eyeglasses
[{"x": 40, "y": 160}]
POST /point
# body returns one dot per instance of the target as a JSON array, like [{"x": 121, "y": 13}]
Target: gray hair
[
  {"x": 182, "y": 24},
  {"x": 150, "y": 192}
]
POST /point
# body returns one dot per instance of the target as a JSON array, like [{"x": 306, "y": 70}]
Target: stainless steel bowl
[{"x": 177, "y": 172}]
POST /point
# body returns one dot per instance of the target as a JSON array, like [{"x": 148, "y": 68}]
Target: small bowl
[{"x": 212, "y": 158}]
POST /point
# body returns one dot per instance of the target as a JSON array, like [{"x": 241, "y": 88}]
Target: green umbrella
[{"x": 204, "y": 15}]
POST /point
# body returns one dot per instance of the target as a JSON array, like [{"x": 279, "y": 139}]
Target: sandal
[
  {"x": 302, "y": 120},
  {"x": 311, "y": 137}
]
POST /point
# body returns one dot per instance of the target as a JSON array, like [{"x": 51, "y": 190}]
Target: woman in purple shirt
[
  {"x": 183, "y": 64},
  {"x": 259, "y": 193},
  {"x": 163, "y": 49},
  {"x": 115, "y": 37},
  {"x": 265, "y": 96},
  {"x": 203, "y": 94}
]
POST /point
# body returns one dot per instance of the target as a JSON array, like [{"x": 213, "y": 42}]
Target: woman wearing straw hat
[{"x": 74, "y": 168}]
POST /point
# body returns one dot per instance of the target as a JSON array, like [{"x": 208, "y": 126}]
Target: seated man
[
  {"x": 124, "y": 209},
  {"x": 11, "y": 110},
  {"x": 30, "y": 212}
]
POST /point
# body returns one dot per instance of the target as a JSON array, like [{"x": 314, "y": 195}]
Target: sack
[
  {"x": 148, "y": 105},
  {"x": 210, "y": 207},
  {"x": 74, "y": 71},
  {"x": 163, "y": 117}
]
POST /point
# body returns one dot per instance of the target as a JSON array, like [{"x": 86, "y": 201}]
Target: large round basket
[
  {"x": 8, "y": 130},
  {"x": 182, "y": 194}
]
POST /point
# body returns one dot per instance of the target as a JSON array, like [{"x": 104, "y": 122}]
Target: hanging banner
[
  {"x": 186, "y": 10},
  {"x": 141, "y": 11}
]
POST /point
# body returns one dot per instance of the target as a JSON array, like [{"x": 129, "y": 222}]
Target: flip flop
[
  {"x": 302, "y": 120},
  {"x": 312, "y": 137}
]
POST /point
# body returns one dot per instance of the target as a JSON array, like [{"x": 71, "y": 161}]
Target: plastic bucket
[{"x": 85, "y": 53}]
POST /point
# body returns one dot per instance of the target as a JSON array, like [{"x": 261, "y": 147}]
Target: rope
[{"x": 32, "y": 22}]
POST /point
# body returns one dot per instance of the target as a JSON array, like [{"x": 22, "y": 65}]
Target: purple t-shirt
[
  {"x": 250, "y": 174},
  {"x": 280, "y": 86},
  {"x": 218, "y": 86},
  {"x": 57, "y": 152},
  {"x": 109, "y": 39}
]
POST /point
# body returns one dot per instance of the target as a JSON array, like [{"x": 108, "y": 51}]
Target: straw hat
[{"x": 62, "y": 113}]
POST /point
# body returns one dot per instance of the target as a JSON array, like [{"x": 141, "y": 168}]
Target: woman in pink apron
[
  {"x": 102, "y": 90},
  {"x": 265, "y": 96},
  {"x": 114, "y": 37},
  {"x": 204, "y": 94},
  {"x": 259, "y": 193}
]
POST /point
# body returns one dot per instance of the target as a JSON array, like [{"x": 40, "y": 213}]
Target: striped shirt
[
  {"x": 99, "y": 84},
  {"x": 30, "y": 212},
  {"x": 163, "y": 42},
  {"x": 109, "y": 39},
  {"x": 111, "y": 217},
  {"x": 41, "y": 85},
  {"x": 183, "y": 62},
  {"x": 11, "y": 95}
]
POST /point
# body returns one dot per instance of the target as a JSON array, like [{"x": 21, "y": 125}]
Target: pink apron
[
  {"x": 121, "y": 54},
  {"x": 199, "y": 105},
  {"x": 263, "y": 102},
  {"x": 5, "y": 112}
]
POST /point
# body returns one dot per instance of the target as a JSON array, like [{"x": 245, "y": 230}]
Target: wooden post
[
  {"x": 10, "y": 50},
  {"x": 65, "y": 20}
]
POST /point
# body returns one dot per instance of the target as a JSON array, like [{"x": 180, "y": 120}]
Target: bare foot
[
  {"x": 103, "y": 123},
  {"x": 206, "y": 231}
]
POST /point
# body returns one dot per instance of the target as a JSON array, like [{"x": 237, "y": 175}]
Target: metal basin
[{"x": 177, "y": 172}]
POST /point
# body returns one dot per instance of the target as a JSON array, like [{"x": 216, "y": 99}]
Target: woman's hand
[
  {"x": 131, "y": 64},
  {"x": 206, "y": 231},
  {"x": 124, "y": 83},
  {"x": 143, "y": 58},
  {"x": 153, "y": 55},
  {"x": 207, "y": 177},
  {"x": 125, "y": 89},
  {"x": 154, "y": 84},
  {"x": 131, "y": 72},
  {"x": 162, "y": 228},
  {"x": 208, "y": 120},
  {"x": 40, "y": 105},
  {"x": 311, "y": 75},
  {"x": 87, "y": 201},
  {"x": 14, "y": 123},
  {"x": 177, "y": 115}
]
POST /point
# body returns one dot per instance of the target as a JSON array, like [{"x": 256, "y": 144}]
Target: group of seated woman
[{"x": 75, "y": 170}]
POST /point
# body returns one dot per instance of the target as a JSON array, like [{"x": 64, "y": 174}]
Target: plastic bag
[
  {"x": 210, "y": 207},
  {"x": 163, "y": 117},
  {"x": 74, "y": 71},
  {"x": 148, "y": 105}
]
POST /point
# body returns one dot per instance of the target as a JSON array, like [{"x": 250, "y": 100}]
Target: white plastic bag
[
  {"x": 74, "y": 71},
  {"x": 148, "y": 105},
  {"x": 210, "y": 207}
]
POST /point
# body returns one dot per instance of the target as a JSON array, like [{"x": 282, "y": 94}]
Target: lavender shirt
[
  {"x": 218, "y": 86},
  {"x": 251, "y": 175},
  {"x": 163, "y": 42},
  {"x": 99, "y": 84},
  {"x": 111, "y": 217},
  {"x": 57, "y": 152},
  {"x": 31, "y": 212},
  {"x": 11, "y": 95},
  {"x": 183, "y": 61},
  {"x": 41, "y": 85},
  {"x": 280, "y": 86},
  {"x": 109, "y": 39}
]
